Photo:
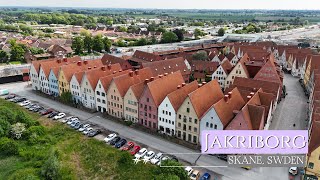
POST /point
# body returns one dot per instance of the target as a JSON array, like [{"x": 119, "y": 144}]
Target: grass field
[{"x": 79, "y": 157}]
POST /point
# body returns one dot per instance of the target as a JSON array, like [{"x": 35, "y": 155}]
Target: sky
[{"x": 172, "y": 4}]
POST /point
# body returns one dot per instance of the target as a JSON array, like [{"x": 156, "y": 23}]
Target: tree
[
  {"x": 142, "y": 42},
  {"x": 17, "y": 130},
  {"x": 35, "y": 50},
  {"x": 17, "y": 52},
  {"x": 107, "y": 44},
  {"x": 66, "y": 97},
  {"x": 179, "y": 33},
  {"x": 8, "y": 146},
  {"x": 169, "y": 37},
  {"x": 50, "y": 169},
  {"x": 198, "y": 32},
  {"x": 26, "y": 29},
  {"x": 161, "y": 29},
  {"x": 88, "y": 43},
  {"x": 200, "y": 55},
  {"x": 4, "y": 128},
  {"x": 167, "y": 177},
  {"x": 97, "y": 43},
  {"x": 221, "y": 32},
  {"x": 152, "y": 27},
  {"x": 77, "y": 45},
  {"x": 3, "y": 56},
  {"x": 122, "y": 29}
]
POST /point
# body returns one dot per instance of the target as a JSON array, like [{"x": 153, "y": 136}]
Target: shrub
[
  {"x": 7, "y": 114},
  {"x": 8, "y": 147},
  {"x": 24, "y": 174},
  {"x": 128, "y": 123},
  {"x": 17, "y": 130},
  {"x": 50, "y": 169},
  {"x": 4, "y": 128},
  {"x": 24, "y": 118}
]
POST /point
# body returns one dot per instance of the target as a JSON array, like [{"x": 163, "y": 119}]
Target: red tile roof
[
  {"x": 226, "y": 66},
  {"x": 109, "y": 59},
  {"x": 268, "y": 72},
  {"x": 106, "y": 80},
  {"x": 205, "y": 96}
]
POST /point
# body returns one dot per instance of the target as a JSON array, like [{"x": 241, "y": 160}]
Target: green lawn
[{"x": 78, "y": 157}]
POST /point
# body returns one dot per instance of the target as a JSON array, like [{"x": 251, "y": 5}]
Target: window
[
  {"x": 169, "y": 113},
  {"x": 149, "y": 108},
  {"x": 111, "y": 96},
  {"x": 179, "y": 124},
  {"x": 188, "y": 110},
  {"x": 190, "y": 119},
  {"x": 103, "y": 94},
  {"x": 207, "y": 124},
  {"x": 179, "y": 116},
  {"x": 195, "y": 121},
  {"x": 147, "y": 99},
  {"x": 189, "y": 137},
  {"x": 211, "y": 125},
  {"x": 98, "y": 93},
  {"x": 215, "y": 126},
  {"x": 166, "y": 112},
  {"x": 189, "y": 128},
  {"x": 310, "y": 165},
  {"x": 98, "y": 99},
  {"x": 195, "y": 139},
  {"x": 195, "y": 129}
]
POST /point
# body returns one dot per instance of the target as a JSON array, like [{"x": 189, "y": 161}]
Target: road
[{"x": 294, "y": 101}]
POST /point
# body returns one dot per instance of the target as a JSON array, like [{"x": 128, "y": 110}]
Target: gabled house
[
  {"x": 89, "y": 82},
  {"x": 268, "y": 72},
  {"x": 102, "y": 88},
  {"x": 240, "y": 70},
  {"x": 108, "y": 59},
  {"x": 222, "y": 73},
  {"x": 232, "y": 58},
  {"x": 153, "y": 94},
  {"x": 313, "y": 64},
  {"x": 202, "y": 70},
  {"x": 53, "y": 81},
  {"x": 119, "y": 87},
  {"x": 313, "y": 164},
  {"x": 218, "y": 116},
  {"x": 168, "y": 108},
  {"x": 193, "y": 108}
]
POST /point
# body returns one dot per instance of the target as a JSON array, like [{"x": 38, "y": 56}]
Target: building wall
[
  {"x": 313, "y": 163},
  {"x": 63, "y": 83},
  {"x": 237, "y": 71},
  {"x": 115, "y": 101},
  {"x": 220, "y": 76},
  {"x": 167, "y": 118},
  {"x": 87, "y": 94},
  {"x": 101, "y": 98},
  {"x": 216, "y": 59},
  {"x": 148, "y": 111},
  {"x": 44, "y": 83},
  {"x": 75, "y": 90},
  {"x": 210, "y": 121},
  {"x": 307, "y": 74},
  {"x": 34, "y": 78},
  {"x": 186, "y": 122},
  {"x": 53, "y": 84},
  {"x": 131, "y": 107},
  {"x": 234, "y": 60}
]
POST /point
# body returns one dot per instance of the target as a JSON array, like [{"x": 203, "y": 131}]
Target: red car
[
  {"x": 135, "y": 150},
  {"x": 45, "y": 112},
  {"x": 128, "y": 146}
]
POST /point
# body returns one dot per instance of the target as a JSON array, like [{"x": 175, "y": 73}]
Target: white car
[
  {"x": 162, "y": 159},
  {"x": 141, "y": 153},
  {"x": 110, "y": 137},
  {"x": 67, "y": 119},
  {"x": 157, "y": 158},
  {"x": 59, "y": 116},
  {"x": 189, "y": 170},
  {"x": 70, "y": 121},
  {"x": 25, "y": 103},
  {"x": 87, "y": 131},
  {"x": 84, "y": 127},
  {"x": 149, "y": 155},
  {"x": 293, "y": 170}
]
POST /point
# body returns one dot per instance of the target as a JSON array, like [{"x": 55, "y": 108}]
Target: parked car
[
  {"x": 163, "y": 159},
  {"x": 120, "y": 143},
  {"x": 54, "y": 113},
  {"x": 84, "y": 127},
  {"x": 29, "y": 106},
  {"x": 135, "y": 149},
  {"x": 46, "y": 111},
  {"x": 4, "y": 92},
  {"x": 76, "y": 127},
  {"x": 293, "y": 170},
  {"x": 34, "y": 107},
  {"x": 195, "y": 175},
  {"x": 128, "y": 146},
  {"x": 72, "y": 120},
  {"x": 19, "y": 100},
  {"x": 141, "y": 153},
  {"x": 74, "y": 123},
  {"x": 110, "y": 137},
  {"x": 11, "y": 96},
  {"x": 205, "y": 176},
  {"x": 189, "y": 170},
  {"x": 87, "y": 131},
  {"x": 67, "y": 119},
  {"x": 156, "y": 158},
  {"x": 115, "y": 140},
  {"x": 25, "y": 103},
  {"x": 149, "y": 155},
  {"x": 93, "y": 133},
  {"x": 38, "y": 109},
  {"x": 59, "y": 116}
]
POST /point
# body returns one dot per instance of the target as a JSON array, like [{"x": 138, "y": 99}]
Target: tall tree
[
  {"x": 3, "y": 56},
  {"x": 17, "y": 52},
  {"x": 221, "y": 32},
  {"x": 179, "y": 33},
  {"x": 107, "y": 44},
  {"x": 78, "y": 45},
  {"x": 88, "y": 43},
  {"x": 169, "y": 37},
  {"x": 97, "y": 43}
]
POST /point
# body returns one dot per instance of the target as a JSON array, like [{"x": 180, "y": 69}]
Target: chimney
[
  {"x": 230, "y": 94},
  {"x": 178, "y": 87},
  {"x": 65, "y": 59},
  {"x": 85, "y": 62},
  {"x": 79, "y": 63},
  {"x": 131, "y": 73},
  {"x": 89, "y": 68},
  {"x": 146, "y": 81},
  {"x": 252, "y": 93},
  {"x": 199, "y": 85},
  {"x": 109, "y": 66},
  {"x": 120, "y": 70},
  {"x": 58, "y": 60},
  {"x": 226, "y": 98},
  {"x": 136, "y": 72},
  {"x": 114, "y": 72},
  {"x": 203, "y": 83},
  {"x": 103, "y": 68},
  {"x": 248, "y": 98},
  {"x": 235, "y": 112},
  {"x": 94, "y": 67},
  {"x": 160, "y": 75},
  {"x": 183, "y": 84},
  {"x": 254, "y": 89},
  {"x": 152, "y": 78}
]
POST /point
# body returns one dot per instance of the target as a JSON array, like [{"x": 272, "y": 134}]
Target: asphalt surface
[{"x": 289, "y": 110}]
